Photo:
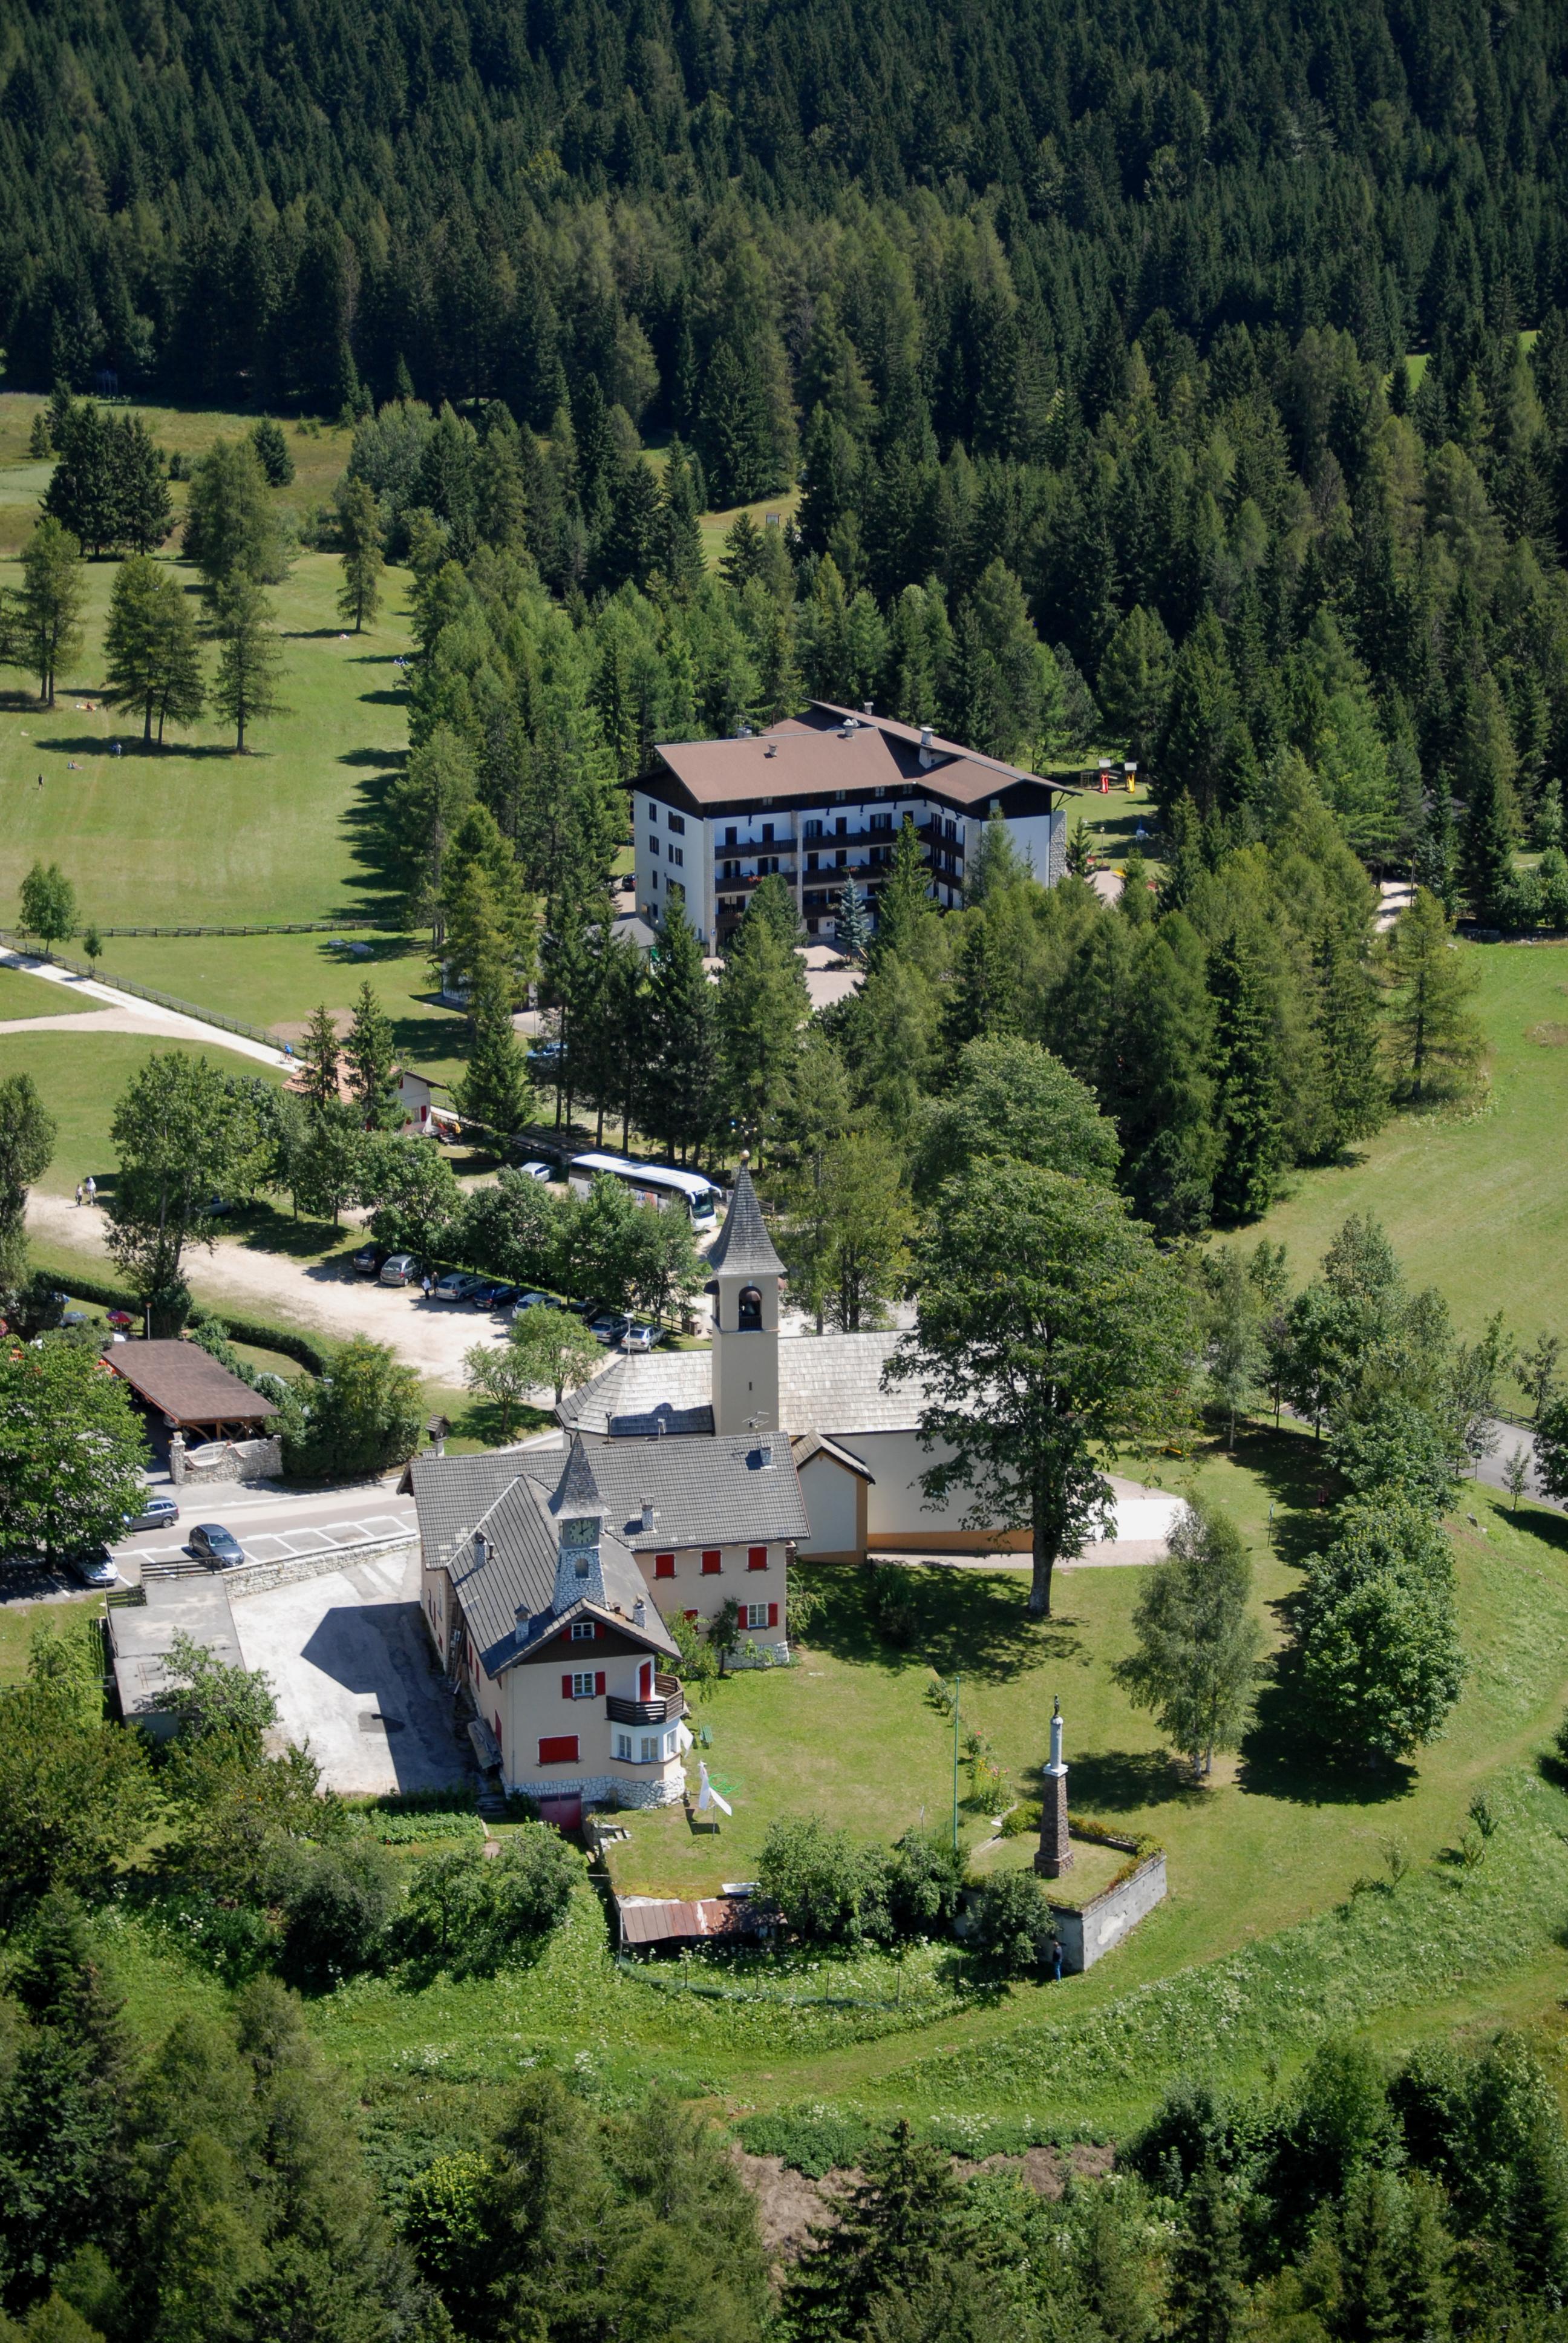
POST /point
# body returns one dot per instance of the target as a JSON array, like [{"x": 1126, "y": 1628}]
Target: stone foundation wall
[
  {"x": 604, "y": 1790},
  {"x": 1089, "y": 1933},
  {"x": 225, "y": 1460}
]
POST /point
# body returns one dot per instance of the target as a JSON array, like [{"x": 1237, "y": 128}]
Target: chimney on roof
[
  {"x": 639, "y": 1613},
  {"x": 481, "y": 1548},
  {"x": 925, "y": 744},
  {"x": 865, "y": 707},
  {"x": 771, "y": 750},
  {"x": 765, "y": 1451},
  {"x": 648, "y": 1513}
]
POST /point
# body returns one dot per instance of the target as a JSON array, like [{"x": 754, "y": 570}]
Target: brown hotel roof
[{"x": 812, "y": 756}]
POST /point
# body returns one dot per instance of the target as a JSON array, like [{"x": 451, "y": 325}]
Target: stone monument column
[{"x": 1055, "y": 1854}]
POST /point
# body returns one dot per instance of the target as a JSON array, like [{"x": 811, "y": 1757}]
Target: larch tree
[
  {"x": 359, "y": 524},
  {"x": 48, "y": 625},
  {"x": 1435, "y": 1043},
  {"x": 245, "y": 689}
]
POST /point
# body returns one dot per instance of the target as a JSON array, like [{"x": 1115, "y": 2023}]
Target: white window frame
[
  {"x": 651, "y": 1749},
  {"x": 756, "y": 1614},
  {"x": 584, "y": 1631},
  {"x": 623, "y": 1748},
  {"x": 585, "y": 1684}
]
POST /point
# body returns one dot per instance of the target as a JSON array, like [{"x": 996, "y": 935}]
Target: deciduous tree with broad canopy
[{"x": 1050, "y": 1331}]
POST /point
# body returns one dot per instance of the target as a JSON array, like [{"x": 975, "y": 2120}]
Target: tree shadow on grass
[
  {"x": 268, "y": 1230},
  {"x": 395, "y": 699},
  {"x": 965, "y": 1622},
  {"x": 483, "y": 1420},
  {"x": 1282, "y": 1758},
  {"x": 381, "y": 760},
  {"x": 1121, "y": 1781},
  {"x": 94, "y": 744},
  {"x": 1300, "y": 1482}
]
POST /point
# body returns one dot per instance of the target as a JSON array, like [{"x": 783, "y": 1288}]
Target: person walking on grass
[
  {"x": 78, "y": 1195},
  {"x": 92, "y": 1190}
]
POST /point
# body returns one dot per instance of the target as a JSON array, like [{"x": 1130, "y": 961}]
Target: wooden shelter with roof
[{"x": 192, "y": 1393}]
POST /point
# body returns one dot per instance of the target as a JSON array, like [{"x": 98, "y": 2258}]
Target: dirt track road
[{"x": 431, "y": 1336}]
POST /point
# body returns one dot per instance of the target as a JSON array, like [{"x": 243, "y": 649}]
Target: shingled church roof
[{"x": 743, "y": 1246}]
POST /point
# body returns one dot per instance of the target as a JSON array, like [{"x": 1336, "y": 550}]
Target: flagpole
[{"x": 958, "y": 1681}]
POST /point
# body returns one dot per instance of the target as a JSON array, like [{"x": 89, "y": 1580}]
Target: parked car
[
  {"x": 95, "y": 1566},
  {"x": 537, "y": 1170},
  {"x": 526, "y": 1301},
  {"x": 637, "y": 1334},
  {"x": 606, "y": 1326},
  {"x": 493, "y": 1297},
  {"x": 457, "y": 1285},
  {"x": 210, "y": 1541},
  {"x": 399, "y": 1270},
  {"x": 370, "y": 1260},
  {"x": 157, "y": 1513}
]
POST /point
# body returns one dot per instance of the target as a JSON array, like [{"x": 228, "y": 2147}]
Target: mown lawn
[
  {"x": 80, "y": 1077},
  {"x": 1476, "y": 1204},
  {"x": 22, "y": 995},
  {"x": 192, "y": 834}
]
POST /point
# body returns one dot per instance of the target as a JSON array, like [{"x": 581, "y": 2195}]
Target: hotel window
[
  {"x": 653, "y": 846},
  {"x": 730, "y": 835},
  {"x": 678, "y": 823},
  {"x": 652, "y": 810},
  {"x": 678, "y": 856},
  {"x": 812, "y": 829}
]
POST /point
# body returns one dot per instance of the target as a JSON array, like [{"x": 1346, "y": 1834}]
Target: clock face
[{"x": 579, "y": 1533}]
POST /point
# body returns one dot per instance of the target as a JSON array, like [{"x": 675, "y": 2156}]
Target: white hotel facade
[{"x": 820, "y": 797}]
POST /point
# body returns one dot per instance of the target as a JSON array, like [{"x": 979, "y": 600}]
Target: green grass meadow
[
  {"x": 1476, "y": 1204},
  {"x": 1281, "y": 1923}
]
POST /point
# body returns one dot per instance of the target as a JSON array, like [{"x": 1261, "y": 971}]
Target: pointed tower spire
[
  {"x": 745, "y": 1289},
  {"x": 579, "y": 1511}
]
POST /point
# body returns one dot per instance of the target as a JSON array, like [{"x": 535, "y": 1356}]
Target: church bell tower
[{"x": 746, "y": 1275}]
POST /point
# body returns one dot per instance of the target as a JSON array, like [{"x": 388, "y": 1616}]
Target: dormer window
[{"x": 749, "y": 1310}]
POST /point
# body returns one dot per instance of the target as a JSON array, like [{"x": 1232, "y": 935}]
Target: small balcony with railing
[{"x": 668, "y": 1705}]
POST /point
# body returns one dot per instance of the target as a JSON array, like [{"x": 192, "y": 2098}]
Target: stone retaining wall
[
  {"x": 260, "y": 1577},
  {"x": 1089, "y": 1931},
  {"x": 225, "y": 1460}
]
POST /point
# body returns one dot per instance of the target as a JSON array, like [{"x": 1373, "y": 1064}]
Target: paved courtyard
[{"x": 355, "y": 1676}]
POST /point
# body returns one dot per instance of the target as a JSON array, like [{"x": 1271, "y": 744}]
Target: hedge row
[{"x": 255, "y": 1330}]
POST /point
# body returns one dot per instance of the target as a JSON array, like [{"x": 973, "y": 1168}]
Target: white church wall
[
  {"x": 833, "y": 1509},
  {"x": 896, "y": 1510}
]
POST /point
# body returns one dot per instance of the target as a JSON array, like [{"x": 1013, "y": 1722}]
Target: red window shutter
[
  {"x": 599, "y": 1681},
  {"x": 772, "y": 1615},
  {"x": 664, "y": 1566},
  {"x": 566, "y": 1687},
  {"x": 558, "y": 1749},
  {"x": 712, "y": 1563},
  {"x": 756, "y": 1557}
]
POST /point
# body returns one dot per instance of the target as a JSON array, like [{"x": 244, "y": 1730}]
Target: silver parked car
[{"x": 401, "y": 1270}]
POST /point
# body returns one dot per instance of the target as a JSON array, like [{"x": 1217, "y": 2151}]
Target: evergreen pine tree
[
  {"x": 1248, "y": 1108},
  {"x": 851, "y": 926},
  {"x": 1349, "y": 1028},
  {"x": 762, "y": 1005},
  {"x": 1208, "y": 2295},
  {"x": 680, "y": 1077},
  {"x": 369, "y": 1053},
  {"x": 891, "y": 2237},
  {"x": 1165, "y": 1101},
  {"x": 319, "y": 1058},
  {"x": 904, "y": 902},
  {"x": 1487, "y": 847},
  {"x": 245, "y": 689},
  {"x": 680, "y": 537},
  {"x": 494, "y": 1088}
]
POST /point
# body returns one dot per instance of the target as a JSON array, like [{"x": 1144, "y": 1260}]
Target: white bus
[{"x": 650, "y": 1183}]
